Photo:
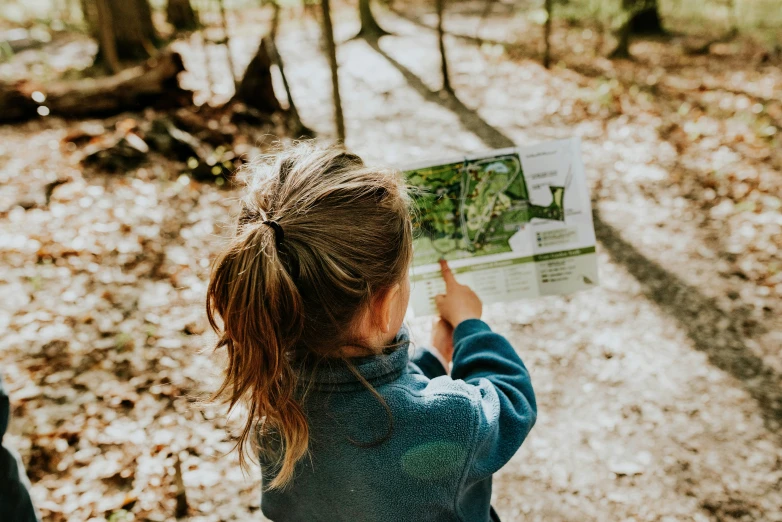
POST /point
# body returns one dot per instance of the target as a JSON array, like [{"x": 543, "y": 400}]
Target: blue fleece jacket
[{"x": 431, "y": 456}]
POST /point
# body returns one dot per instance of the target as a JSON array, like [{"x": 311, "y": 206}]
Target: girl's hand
[
  {"x": 459, "y": 302},
  {"x": 442, "y": 340}
]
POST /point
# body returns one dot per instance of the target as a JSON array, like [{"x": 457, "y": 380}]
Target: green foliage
[
  {"x": 760, "y": 18},
  {"x": 123, "y": 341},
  {"x": 36, "y": 282}
]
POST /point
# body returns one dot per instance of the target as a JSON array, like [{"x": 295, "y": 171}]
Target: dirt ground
[{"x": 660, "y": 393}]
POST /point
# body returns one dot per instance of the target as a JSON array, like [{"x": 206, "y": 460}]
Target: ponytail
[{"x": 262, "y": 316}]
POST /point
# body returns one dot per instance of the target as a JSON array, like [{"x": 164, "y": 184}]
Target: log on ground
[{"x": 152, "y": 84}]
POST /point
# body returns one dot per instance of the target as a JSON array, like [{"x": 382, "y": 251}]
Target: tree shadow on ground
[
  {"x": 711, "y": 329},
  {"x": 470, "y": 119}
]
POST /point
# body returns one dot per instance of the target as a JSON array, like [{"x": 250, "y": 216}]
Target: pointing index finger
[{"x": 448, "y": 277}]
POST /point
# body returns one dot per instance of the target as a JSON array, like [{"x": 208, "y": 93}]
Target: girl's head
[{"x": 317, "y": 266}]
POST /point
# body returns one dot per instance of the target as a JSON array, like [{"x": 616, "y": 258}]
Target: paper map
[{"x": 512, "y": 223}]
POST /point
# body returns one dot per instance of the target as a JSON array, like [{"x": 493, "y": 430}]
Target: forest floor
[{"x": 660, "y": 393}]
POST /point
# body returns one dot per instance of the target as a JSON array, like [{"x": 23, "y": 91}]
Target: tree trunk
[
  {"x": 275, "y": 23},
  {"x": 623, "y": 42},
  {"x": 135, "y": 37},
  {"x": 547, "y": 35},
  {"x": 646, "y": 19},
  {"x": 370, "y": 29},
  {"x": 181, "y": 16},
  {"x": 106, "y": 41},
  {"x": 295, "y": 126},
  {"x": 293, "y": 121},
  {"x": 441, "y": 41},
  {"x": 256, "y": 89},
  {"x": 153, "y": 83},
  {"x": 733, "y": 15},
  {"x": 328, "y": 34},
  {"x": 641, "y": 17}
]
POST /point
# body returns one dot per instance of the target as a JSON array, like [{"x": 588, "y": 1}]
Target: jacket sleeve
[
  {"x": 15, "y": 503},
  {"x": 429, "y": 364},
  {"x": 501, "y": 392}
]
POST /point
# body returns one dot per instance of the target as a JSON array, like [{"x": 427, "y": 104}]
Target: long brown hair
[{"x": 319, "y": 235}]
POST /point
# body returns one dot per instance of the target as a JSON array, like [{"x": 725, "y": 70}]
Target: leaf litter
[{"x": 106, "y": 351}]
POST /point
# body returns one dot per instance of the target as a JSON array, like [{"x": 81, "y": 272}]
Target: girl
[{"x": 311, "y": 294}]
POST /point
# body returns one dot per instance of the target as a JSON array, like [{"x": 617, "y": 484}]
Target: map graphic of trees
[{"x": 473, "y": 207}]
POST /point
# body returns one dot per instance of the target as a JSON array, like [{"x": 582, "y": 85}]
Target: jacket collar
[{"x": 336, "y": 374}]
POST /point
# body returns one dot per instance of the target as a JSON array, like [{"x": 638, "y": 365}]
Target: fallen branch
[{"x": 152, "y": 84}]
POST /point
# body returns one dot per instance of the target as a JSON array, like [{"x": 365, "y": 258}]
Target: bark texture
[{"x": 130, "y": 24}]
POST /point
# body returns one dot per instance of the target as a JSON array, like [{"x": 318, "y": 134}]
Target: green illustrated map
[{"x": 473, "y": 207}]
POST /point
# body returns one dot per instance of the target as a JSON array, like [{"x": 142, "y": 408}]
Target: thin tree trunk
[
  {"x": 224, "y": 23},
  {"x": 107, "y": 41},
  {"x": 370, "y": 29},
  {"x": 275, "y": 21},
  {"x": 733, "y": 15},
  {"x": 328, "y": 33},
  {"x": 295, "y": 126},
  {"x": 547, "y": 35},
  {"x": 623, "y": 45},
  {"x": 440, "y": 4},
  {"x": 601, "y": 29},
  {"x": 180, "y": 14}
]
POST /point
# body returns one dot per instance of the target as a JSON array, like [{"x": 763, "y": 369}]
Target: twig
[
  {"x": 224, "y": 23},
  {"x": 295, "y": 125}
]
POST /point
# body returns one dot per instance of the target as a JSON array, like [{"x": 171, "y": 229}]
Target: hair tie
[{"x": 279, "y": 234}]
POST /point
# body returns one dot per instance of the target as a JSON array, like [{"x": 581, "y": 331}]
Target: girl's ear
[{"x": 385, "y": 307}]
